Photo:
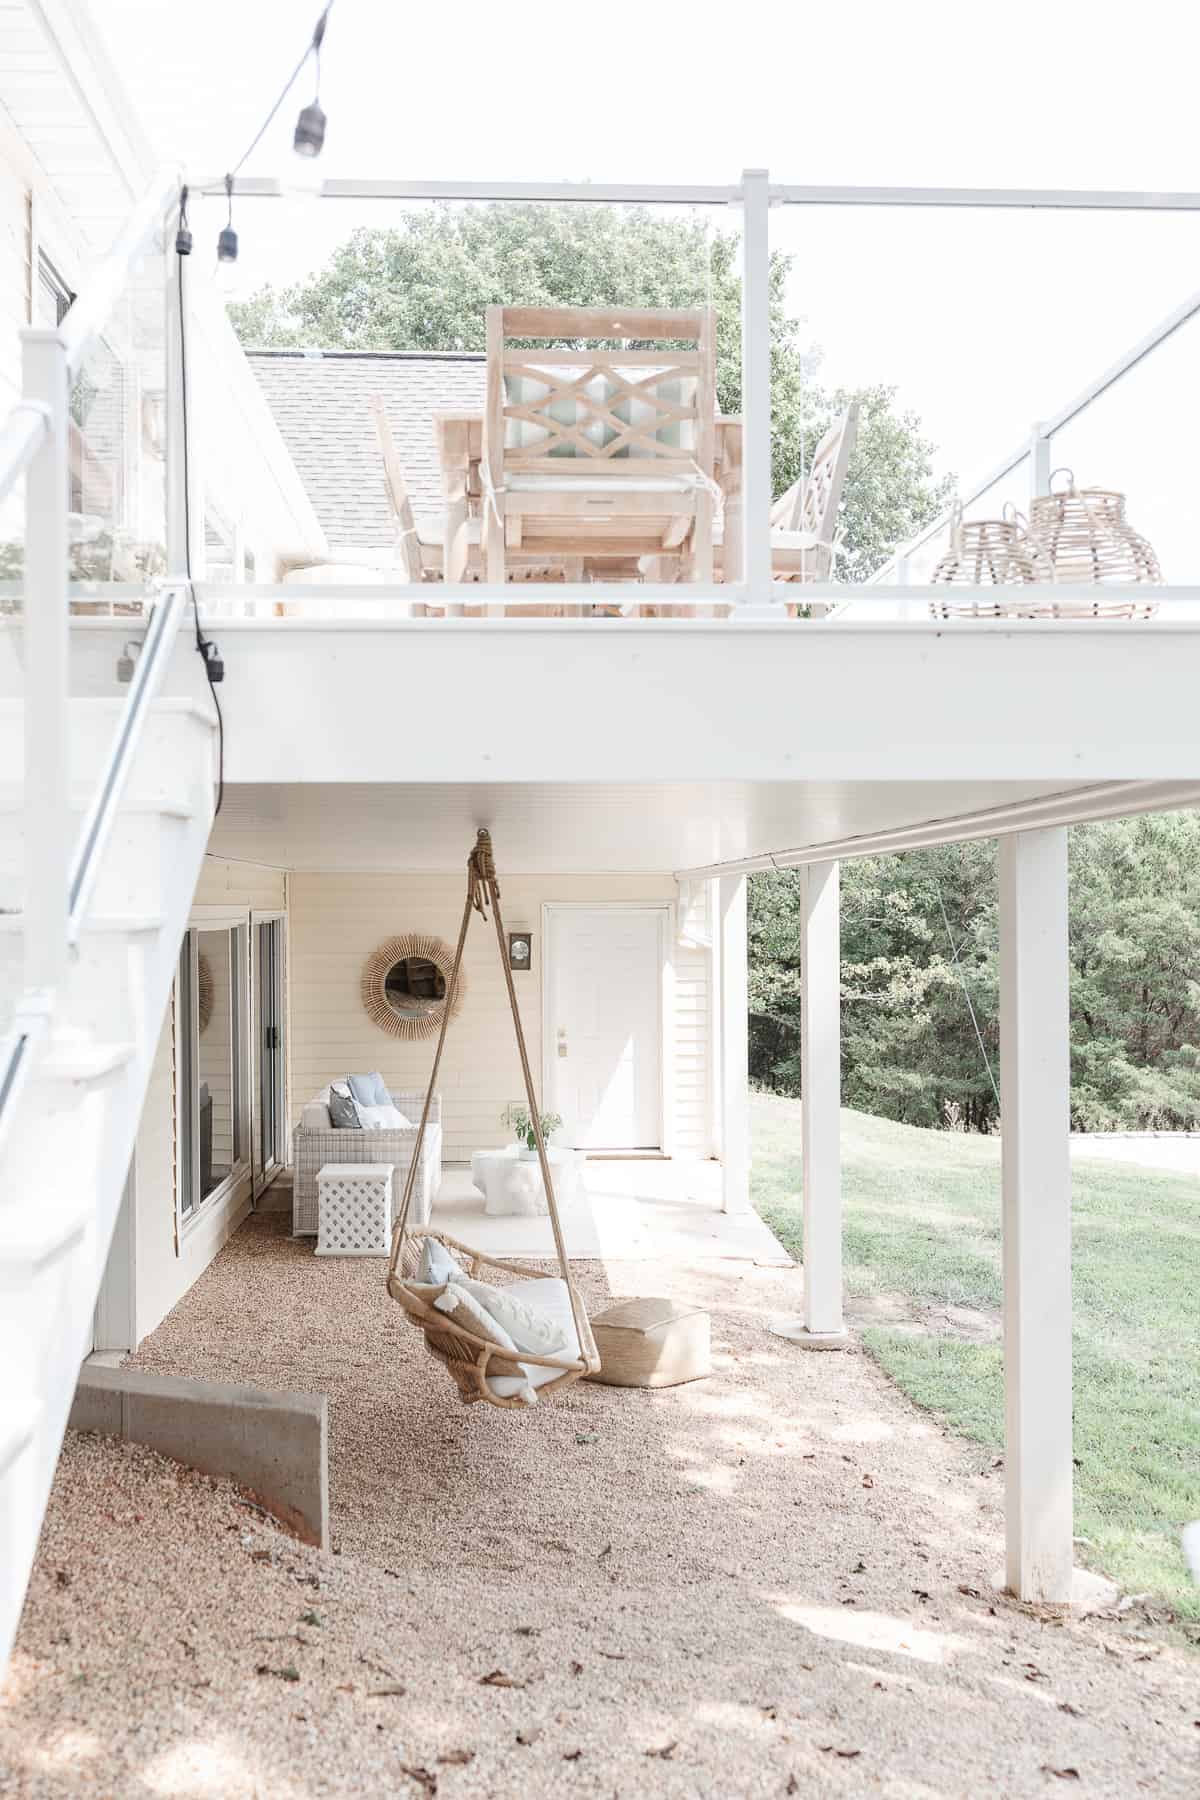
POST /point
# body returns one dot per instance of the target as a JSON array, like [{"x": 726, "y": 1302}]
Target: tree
[
  {"x": 910, "y": 1048},
  {"x": 424, "y": 284}
]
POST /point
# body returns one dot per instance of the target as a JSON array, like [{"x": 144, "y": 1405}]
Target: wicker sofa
[{"x": 315, "y": 1143}]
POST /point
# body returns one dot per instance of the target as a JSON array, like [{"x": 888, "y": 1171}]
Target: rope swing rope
[{"x": 469, "y": 1357}]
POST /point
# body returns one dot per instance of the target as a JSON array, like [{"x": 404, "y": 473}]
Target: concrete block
[{"x": 276, "y": 1445}]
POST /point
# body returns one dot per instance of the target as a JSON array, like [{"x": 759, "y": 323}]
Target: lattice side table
[{"x": 354, "y": 1209}]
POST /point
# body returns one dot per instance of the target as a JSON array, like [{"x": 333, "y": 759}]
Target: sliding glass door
[{"x": 212, "y": 1065}]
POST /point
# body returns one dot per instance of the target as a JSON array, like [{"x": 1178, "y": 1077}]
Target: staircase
[
  {"x": 105, "y": 808},
  {"x": 68, "y": 1123}
]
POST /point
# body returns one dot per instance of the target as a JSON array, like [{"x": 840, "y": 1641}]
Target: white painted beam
[
  {"x": 822, "y": 1327},
  {"x": 821, "y": 1098},
  {"x": 1035, "y": 1102},
  {"x": 756, "y": 387},
  {"x": 734, "y": 1071}
]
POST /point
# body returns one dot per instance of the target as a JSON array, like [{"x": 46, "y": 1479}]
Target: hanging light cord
[
  {"x": 967, "y": 993},
  {"x": 313, "y": 49}
]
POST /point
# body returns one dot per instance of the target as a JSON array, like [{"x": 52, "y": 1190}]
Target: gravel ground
[{"x": 773, "y": 1582}]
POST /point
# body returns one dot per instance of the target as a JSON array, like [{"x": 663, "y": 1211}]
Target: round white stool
[{"x": 510, "y": 1181}]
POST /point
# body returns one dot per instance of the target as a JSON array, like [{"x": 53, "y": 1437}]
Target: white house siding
[
  {"x": 336, "y": 920},
  {"x": 164, "y": 1268}
]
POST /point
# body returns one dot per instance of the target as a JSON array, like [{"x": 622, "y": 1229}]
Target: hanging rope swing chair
[{"x": 478, "y": 1353}]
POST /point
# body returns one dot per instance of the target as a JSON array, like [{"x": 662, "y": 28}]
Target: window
[
  {"x": 53, "y": 298},
  {"x": 212, "y": 1062}
]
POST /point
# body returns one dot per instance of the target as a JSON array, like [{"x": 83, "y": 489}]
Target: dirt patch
[
  {"x": 972, "y": 1324},
  {"x": 772, "y": 1582}
]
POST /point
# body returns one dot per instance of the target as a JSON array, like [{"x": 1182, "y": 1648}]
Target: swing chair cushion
[{"x": 548, "y": 1300}]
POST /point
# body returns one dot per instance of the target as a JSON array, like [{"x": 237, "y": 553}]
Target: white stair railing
[{"x": 35, "y": 443}]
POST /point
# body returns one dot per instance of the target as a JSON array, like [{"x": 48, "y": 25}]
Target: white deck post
[
  {"x": 756, "y": 387},
  {"x": 1039, "y": 461},
  {"x": 734, "y": 1073},
  {"x": 1035, "y": 1151},
  {"x": 48, "y": 841},
  {"x": 184, "y": 474},
  {"x": 822, "y": 1327}
]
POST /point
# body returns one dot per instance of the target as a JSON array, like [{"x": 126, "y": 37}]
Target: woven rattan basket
[
  {"x": 1084, "y": 536},
  {"x": 987, "y": 553}
]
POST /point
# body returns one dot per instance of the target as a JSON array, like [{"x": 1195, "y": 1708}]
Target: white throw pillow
[
  {"x": 437, "y": 1265},
  {"x": 383, "y": 1118},
  {"x": 465, "y": 1310},
  {"x": 530, "y": 1329}
]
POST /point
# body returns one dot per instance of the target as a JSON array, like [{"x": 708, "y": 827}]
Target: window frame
[{"x": 190, "y": 1206}]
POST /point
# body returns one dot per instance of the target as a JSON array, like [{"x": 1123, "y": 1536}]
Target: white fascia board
[
  {"x": 1080, "y": 806},
  {"x": 72, "y": 35}
]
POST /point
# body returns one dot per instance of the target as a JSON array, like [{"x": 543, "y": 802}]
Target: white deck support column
[
  {"x": 48, "y": 842},
  {"x": 734, "y": 1070},
  {"x": 756, "y": 387},
  {"x": 822, "y": 1327},
  {"x": 1039, "y": 461},
  {"x": 1035, "y": 1152},
  {"x": 184, "y": 474}
]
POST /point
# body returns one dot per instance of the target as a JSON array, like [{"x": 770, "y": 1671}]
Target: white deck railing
[{"x": 58, "y": 870}]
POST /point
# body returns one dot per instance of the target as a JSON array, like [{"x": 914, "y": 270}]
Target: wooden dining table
[{"x": 459, "y": 437}]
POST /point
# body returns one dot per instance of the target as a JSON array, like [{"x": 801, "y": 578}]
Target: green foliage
[
  {"x": 922, "y": 1225},
  {"x": 520, "y": 1122},
  {"x": 425, "y": 283},
  {"x": 910, "y": 1050}
]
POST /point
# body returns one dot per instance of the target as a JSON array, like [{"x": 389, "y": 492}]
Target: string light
[
  {"x": 227, "y": 246},
  {"x": 307, "y": 142}
]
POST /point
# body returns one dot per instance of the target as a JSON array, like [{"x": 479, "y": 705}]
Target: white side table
[
  {"x": 510, "y": 1181},
  {"x": 354, "y": 1209}
]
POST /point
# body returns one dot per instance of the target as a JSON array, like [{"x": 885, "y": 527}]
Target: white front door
[{"x": 604, "y": 1026}]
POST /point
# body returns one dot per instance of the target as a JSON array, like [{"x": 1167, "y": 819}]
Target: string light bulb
[
  {"x": 183, "y": 234},
  {"x": 309, "y": 138},
  {"x": 227, "y": 246}
]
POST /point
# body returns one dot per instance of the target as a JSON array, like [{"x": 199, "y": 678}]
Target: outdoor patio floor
[{"x": 775, "y": 1581}]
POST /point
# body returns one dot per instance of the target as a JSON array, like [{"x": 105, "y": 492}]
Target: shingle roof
[{"x": 320, "y": 402}]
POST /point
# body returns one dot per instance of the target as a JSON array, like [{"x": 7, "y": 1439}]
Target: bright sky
[{"x": 983, "y": 320}]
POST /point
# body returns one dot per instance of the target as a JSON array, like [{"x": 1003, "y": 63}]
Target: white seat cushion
[
  {"x": 431, "y": 529},
  {"x": 533, "y": 483},
  {"x": 551, "y": 1295}
]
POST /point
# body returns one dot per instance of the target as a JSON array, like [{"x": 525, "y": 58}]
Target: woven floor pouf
[{"x": 651, "y": 1343}]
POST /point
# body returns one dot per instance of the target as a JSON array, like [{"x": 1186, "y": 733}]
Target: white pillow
[
  {"x": 383, "y": 1118},
  {"x": 437, "y": 1265},
  {"x": 530, "y": 1329},
  {"x": 466, "y": 1310}
]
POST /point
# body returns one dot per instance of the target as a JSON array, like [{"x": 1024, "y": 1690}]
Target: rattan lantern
[
  {"x": 987, "y": 553},
  {"x": 1084, "y": 536}
]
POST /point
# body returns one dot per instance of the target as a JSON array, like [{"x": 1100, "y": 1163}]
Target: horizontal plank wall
[
  {"x": 240, "y": 884},
  {"x": 163, "y": 1269},
  {"x": 336, "y": 920}
]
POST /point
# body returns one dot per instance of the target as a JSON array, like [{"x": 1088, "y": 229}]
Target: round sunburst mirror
[{"x": 406, "y": 982}]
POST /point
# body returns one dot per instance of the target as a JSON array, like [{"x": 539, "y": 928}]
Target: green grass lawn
[{"x": 922, "y": 1220}]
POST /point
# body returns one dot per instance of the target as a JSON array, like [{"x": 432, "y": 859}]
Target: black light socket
[
  {"x": 227, "y": 245},
  {"x": 310, "y": 131},
  {"x": 215, "y": 665},
  {"x": 183, "y": 241}
]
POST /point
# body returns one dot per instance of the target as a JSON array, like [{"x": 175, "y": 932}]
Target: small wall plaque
[{"x": 520, "y": 949}]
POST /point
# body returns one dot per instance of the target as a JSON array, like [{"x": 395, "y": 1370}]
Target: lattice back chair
[
  {"x": 600, "y": 452},
  {"x": 804, "y": 519}
]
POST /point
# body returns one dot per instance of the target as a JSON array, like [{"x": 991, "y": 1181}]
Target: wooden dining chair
[{"x": 605, "y": 452}]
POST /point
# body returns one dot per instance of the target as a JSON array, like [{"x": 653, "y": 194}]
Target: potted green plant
[{"x": 520, "y": 1123}]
